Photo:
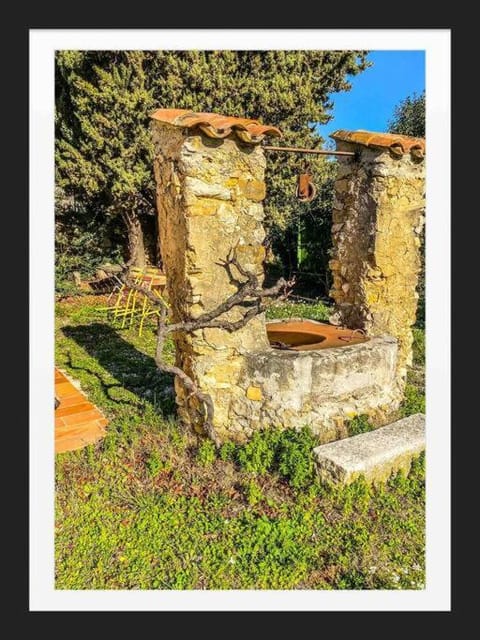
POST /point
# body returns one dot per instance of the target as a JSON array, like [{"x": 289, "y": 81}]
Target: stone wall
[
  {"x": 377, "y": 221},
  {"x": 209, "y": 200}
]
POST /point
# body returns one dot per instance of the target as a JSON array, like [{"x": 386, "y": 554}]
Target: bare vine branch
[{"x": 249, "y": 295}]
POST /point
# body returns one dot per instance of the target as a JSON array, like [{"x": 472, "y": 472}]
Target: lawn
[{"x": 153, "y": 507}]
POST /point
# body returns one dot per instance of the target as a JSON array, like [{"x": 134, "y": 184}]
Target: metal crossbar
[{"x": 323, "y": 152}]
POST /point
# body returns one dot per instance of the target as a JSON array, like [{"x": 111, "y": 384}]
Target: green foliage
[
  {"x": 227, "y": 451},
  {"x": 318, "y": 311},
  {"x": 258, "y": 454},
  {"x": 358, "y": 424},
  {"x": 414, "y": 396},
  {"x": 295, "y": 457},
  {"x": 154, "y": 463},
  {"x": 82, "y": 243},
  {"x": 253, "y": 493},
  {"x": 419, "y": 347},
  {"x": 139, "y": 510},
  {"x": 287, "y": 452},
  {"x": 409, "y": 117},
  {"x": 207, "y": 453},
  {"x": 413, "y": 401},
  {"x": 104, "y": 98},
  {"x": 64, "y": 284},
  {"x": 416, "y": 477},
  {"x": 304, "y": 243},
  {"x": 355, "y": 496},
  {"x": 103, "y": 149},
  {"x": 103, "y": 141}
]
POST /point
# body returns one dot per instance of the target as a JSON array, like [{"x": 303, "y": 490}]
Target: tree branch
[{"x": 249, "y": 294}]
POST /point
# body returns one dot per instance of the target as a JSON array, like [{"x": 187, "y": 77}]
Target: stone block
[
  {"x": 204, "y": 189},
  {"x": 254, "y": 393},
  {"x": 374, "y": 455},
  {"x": 252, "y": 189}
]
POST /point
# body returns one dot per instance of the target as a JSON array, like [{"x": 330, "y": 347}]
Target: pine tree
[
  {"x": 409, "y": 117},
  {"x": 103, "y": 149},
  {"x": 103, "y": 153}
]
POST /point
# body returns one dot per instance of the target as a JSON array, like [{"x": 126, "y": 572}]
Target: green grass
[
  {"x": 414, "y": 400},
  {"x": 153, "y": 507},
  {"x": 279, "y": 310}
]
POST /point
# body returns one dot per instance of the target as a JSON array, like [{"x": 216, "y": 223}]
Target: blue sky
[{"x": 375, "y": 92}]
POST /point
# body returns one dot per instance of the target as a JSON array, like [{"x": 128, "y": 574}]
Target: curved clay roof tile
[
  {"x": 217, "y": 126},
  {"x": 398, "y": 144},
  {"x": 213, "y": 132}
]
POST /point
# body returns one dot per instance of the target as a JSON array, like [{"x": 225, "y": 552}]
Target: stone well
[{"x": 210, "y": 187}]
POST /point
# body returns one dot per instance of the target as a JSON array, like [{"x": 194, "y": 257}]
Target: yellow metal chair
[
  {"x": 124, "y": 305},
  {"x": 130, "y": 304},
  {"x": 155, "y": 283}
]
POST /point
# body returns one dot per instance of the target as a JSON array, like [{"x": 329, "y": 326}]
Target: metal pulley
[{"x": 306, "y": 190}]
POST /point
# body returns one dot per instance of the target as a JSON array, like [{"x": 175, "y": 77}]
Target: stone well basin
[
  {"x": 317, "y": 379},
  {"x": 308, "y": 335}
]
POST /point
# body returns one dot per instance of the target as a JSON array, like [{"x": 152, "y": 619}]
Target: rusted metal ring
[{"x": 306, "y": 190}]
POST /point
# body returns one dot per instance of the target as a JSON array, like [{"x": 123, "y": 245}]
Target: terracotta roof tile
[
  {"x": 398, "y": 144},
  {"x": 216, "y": 126}
]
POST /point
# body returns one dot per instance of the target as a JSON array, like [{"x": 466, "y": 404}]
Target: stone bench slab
[{"x": 374, "y": 455}]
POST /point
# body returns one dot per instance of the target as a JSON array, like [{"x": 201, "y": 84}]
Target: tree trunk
[
  {"x": 158, "y": 247},
  {"x": 136, "y": 245}
]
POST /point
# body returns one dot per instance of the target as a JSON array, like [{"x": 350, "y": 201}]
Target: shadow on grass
[{"x": 135, "y": 370}]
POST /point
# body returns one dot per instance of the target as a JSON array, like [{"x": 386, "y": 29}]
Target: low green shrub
[
  {"x": 253, "y": 493},
  {"x": 155, "y": 463},
  {"x": 288, "y": 453},
  {"x": 258, "y": 455},
  {"x": 206, "y": 453},
  {"x": 358, "y": 424},
  {"x": 295, "y": 457},
  {"x": 413, "y": 401},
  {"x": 418, "y": 347},
  {"x": 227, "y": 451}
]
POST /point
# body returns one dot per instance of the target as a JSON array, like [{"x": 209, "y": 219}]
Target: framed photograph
[{"x": 241, "y": 251}]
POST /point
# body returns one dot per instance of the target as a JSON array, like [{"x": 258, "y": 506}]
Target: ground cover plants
[{"x": 153, "y": 506}]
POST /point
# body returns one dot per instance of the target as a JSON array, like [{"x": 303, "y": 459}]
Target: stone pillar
[
  {"x": 210, "y": 186},
  {"x": 377, "y": 221}
]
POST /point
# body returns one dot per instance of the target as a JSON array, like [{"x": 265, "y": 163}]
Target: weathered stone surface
[
  {"x": 209, "y": 195},
  {"x": 254, "y": 393},
  {"x": 374, "y": 455},
  {"x": 252, "y": 189},
  {"x": 321, "y": 389},
  {"x": 375, "y": 265},
  {"x": 200, "y": 188}
]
